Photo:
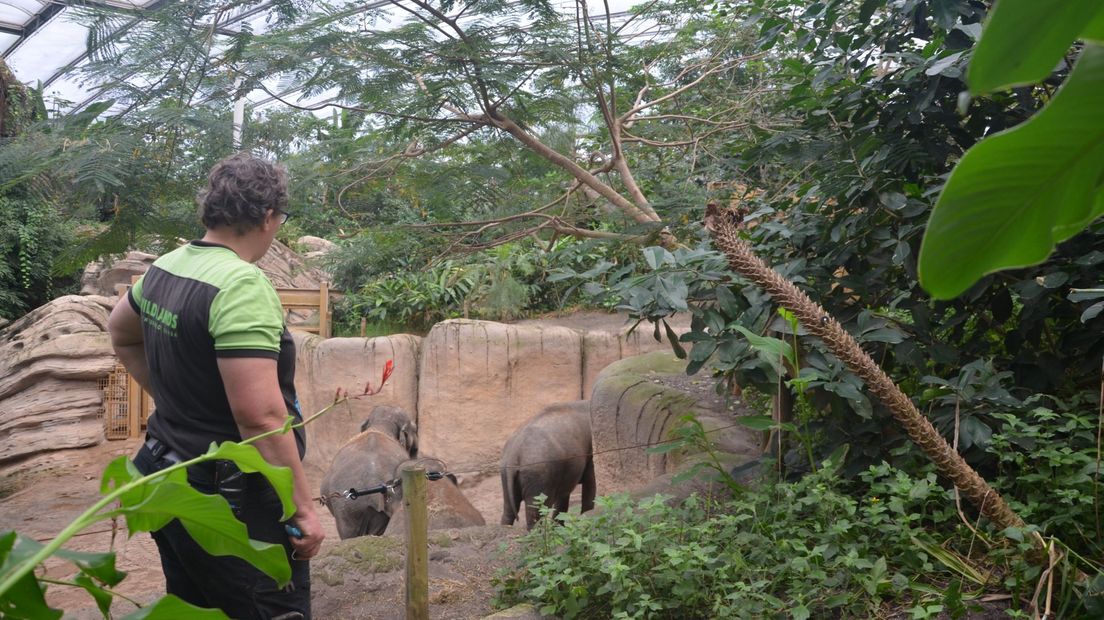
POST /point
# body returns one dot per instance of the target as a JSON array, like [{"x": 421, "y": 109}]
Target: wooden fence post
[
  {"x": 417, "y": 546},
  {"x": 324, "y": 327}
]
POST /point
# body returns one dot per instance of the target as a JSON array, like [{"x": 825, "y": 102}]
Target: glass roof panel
[
  {"x": 48, "y": 48},
  {"x": 7, "y": 40},
  {"x": 42, "y": 42}
]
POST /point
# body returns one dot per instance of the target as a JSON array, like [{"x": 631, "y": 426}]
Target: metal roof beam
[
  {"x": 221, "y": 29},
  {"x": 34, "y": 23}
]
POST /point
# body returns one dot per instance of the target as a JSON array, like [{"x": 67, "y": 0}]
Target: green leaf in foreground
[
  {"x": 211, "y": 523},
  {"x": 250, "y": 461},
  {"x": 207, "y": 518},
  {"x": 1025, "y": 39},
  {"x": 26, "y": 598},
  {"x": 170, "y": 607},
  {"x": 1018, "y": 193},
  {"x": 771, "y": 350}
]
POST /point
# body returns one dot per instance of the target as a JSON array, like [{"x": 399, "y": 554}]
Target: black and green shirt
[{"x": 198, "y": 303}]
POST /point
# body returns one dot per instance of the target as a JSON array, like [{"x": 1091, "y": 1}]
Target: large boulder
[
  {"x": 51, "y": 361},
  {"x": 325, "y": 364},
  {"x": 482, "y": 380},
  {"x": 636, "y": 404},
  {"x": 604, "y": 347},
  {"x": 104, "y": 277},
  {"x": 286, "y": 269},
  {"x": 314, "y": 247}
]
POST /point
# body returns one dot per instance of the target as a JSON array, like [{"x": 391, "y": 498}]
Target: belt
[{"x": 162, "y": 451}]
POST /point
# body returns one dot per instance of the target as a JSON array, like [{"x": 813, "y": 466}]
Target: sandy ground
[
  {"x": 41, "y": 504},
  {"x": 462, "y": 561}
]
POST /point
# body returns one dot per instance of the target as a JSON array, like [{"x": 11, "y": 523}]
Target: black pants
[{"x": 226, "y": 582}]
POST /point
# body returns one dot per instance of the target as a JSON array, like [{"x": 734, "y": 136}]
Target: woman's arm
[
  {"x": 125, "y": 327},
  {"x": 258, "y": 407}
]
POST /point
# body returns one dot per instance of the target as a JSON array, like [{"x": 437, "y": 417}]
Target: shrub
[{"x": 803, "y": 549}]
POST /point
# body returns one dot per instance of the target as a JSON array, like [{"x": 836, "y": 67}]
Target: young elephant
[
  {"x": 446, "y": 505},
  {"x": 550, "y": 454},
  {"x": 367, "y": 460},
  {"x": 394, "y": 421}
]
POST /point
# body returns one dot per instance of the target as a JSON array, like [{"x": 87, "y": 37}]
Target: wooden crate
[{"x": 116, "y": 406}]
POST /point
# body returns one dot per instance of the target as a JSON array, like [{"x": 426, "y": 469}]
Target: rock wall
[
  {"x": 104, "y": 277},
  {"x": 637, "y": 402},
  {"x": 324, "y": 365},
  {"x": 51, "y": 361},
  {"x": 481, "y": 380},
  {"x": 468, "y": 384}
]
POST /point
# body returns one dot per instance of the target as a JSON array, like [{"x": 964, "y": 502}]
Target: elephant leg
[
  {"x": 511, "y": 497},
  {"x": 590, "y": 487},
  {"x": 532, "y": 513},
  {"x": 377, "y": 524},
  {"x": 562, "y": 502}
]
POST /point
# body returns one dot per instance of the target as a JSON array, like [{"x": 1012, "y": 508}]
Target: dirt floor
[
  {"x": 361, "y": 578},
  {"x": 357, "y": 579}
]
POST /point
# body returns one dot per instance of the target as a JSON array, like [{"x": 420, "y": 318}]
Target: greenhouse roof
[{"x": 44, "y": 42}]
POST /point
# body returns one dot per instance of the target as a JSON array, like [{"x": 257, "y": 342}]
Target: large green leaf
[
  {"x": 1095, "y": 30},
  {"x": 25, "y": 598},
  {"x": 1016, "y": 194},
  {"x": 250, "y": 460},
  {"x": 1025, "y": 39},
  {"x": 210, "y": 522},
  {"x": 771, "y": 350},
  {"x": 170, "y": 607}
]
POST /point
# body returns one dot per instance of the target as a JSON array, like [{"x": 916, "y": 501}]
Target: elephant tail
[{"x": 511, "y": 495}]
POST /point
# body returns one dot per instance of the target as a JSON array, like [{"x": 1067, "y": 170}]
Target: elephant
[
  {"x": 549, "y": 454},
  {"x": 446, "y": 505},
  {"x": 394, "y": 421},
  {"x": 366, "y": 460}
]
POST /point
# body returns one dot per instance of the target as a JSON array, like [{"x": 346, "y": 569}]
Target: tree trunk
[{"x": 724, "y": 226}]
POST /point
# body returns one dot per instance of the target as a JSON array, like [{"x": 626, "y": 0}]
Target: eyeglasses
[{"x": 283, "y": 215}]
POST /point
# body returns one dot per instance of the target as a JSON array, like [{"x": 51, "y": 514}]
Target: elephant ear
[{"x": 408, "y": 437}]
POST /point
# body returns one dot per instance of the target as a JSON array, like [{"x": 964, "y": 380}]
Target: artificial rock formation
[
  {"x": 481, "y": 380},
  {"x": 325, "y": 365},
  {"x": 637, "y": 402},
  {"x": 51, "y": 361},
  {"x": 105, "y": 277},
  {"x": 313, "y": 247},
  {"x": 284, "y": 268}
]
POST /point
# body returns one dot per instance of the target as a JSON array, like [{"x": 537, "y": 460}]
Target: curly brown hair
[{"x": 240, "y": 191}]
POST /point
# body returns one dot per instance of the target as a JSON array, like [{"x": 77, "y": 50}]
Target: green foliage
[
  {"x": 147, "y": 503},
  {"x": 838, "y": 207},
  {"x": 31, "y": 242},
  {"x": 417, "y": 299},
  {"x": 1046, "y": 462},
  {"x": 803, "y": 549},
  {"x": 1015, "y": 195},
  {"x": 1043, "y": 176},
  {"x": 502, "y": 283}
]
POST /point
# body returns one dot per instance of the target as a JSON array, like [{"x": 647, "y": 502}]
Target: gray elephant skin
[
  {"x": 550, "y": 454},
  {"x": 368, "y": 459},
  {"x": 446, "y": 505}
]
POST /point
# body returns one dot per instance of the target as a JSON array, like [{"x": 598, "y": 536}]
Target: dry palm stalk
[{"x": 724, "y": 225}]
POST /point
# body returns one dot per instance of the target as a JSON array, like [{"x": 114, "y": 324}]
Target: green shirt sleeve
[{"x": 246, "y": 318}]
